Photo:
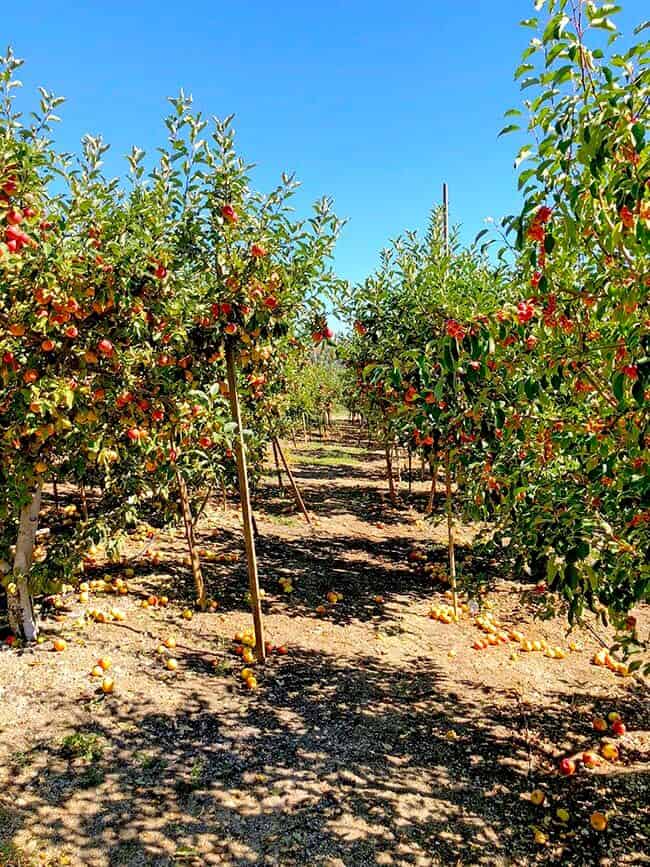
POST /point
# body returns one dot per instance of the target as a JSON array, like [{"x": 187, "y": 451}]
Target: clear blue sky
[{"x": 375, "y": 103}]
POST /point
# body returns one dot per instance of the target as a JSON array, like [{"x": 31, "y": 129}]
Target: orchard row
[
  {"x": 120, "y": 306},
  {"x": 525, "y": 375}
]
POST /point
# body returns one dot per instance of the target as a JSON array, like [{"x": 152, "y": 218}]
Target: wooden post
[
  {"x": 450, "y": 533},
  {"x": 410, "y": 472},
  {"x": 244, "y": 492},
  {"x": 292, "y": 482},
  {"x": 277, "y": 463},
  {"x": 191, "y": 544},
  {"x": 22, "y": 617},
  {"x": 55, "y": 491}
]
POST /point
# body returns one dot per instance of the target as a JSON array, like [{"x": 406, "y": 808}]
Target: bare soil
[{"x": 381, "y": 737}]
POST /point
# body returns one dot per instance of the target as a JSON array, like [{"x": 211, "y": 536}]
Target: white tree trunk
[{"x": 22, "y": 618}]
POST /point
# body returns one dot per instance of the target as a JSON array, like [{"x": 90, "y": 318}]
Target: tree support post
[
  {"x": 292, "y": 482},
  {"x": 244, "y": 492},
  {"x": 450, "y": 533},
  {"x": 274, "y": 446}
]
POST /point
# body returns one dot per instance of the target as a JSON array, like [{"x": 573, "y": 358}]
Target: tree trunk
[
  {"x": 433, "y": 492},
  {"x": 84, "y": 502},
  {"x": 191, "y": 543},
  {"x": 22, "y": 617},
  {"x": 389, "y": 474}
]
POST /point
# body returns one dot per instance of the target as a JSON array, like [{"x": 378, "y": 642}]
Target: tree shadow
[{"x": 354, "y": 759}]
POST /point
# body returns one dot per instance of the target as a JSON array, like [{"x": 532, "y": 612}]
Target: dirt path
[{"x": 380, "y": 738}]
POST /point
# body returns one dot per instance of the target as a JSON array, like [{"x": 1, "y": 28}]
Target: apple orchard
[
  {"x": 162, "y": 332},
  {"x": 527, "y": 379}
]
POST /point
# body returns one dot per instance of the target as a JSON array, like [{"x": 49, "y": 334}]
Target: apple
[
  {"x": 59, "y": 644},
  {"x": 171, "y": 664},
  {"x": 567, "y": 767},
  {"x": 537, "y": 797},
  {"x": 108, "y": 685},
  {"x": 590, "y": 759},
  {"x": 229, "y": 214},
  {"x": 618, "y": 728},
  {"x": 599, "y": 724},
  {"x": 598, "y": 821},
  {"x": 609, "y": 751},
  {"x": 105, "y": 348},
  {"x": 613, "y": 715}
]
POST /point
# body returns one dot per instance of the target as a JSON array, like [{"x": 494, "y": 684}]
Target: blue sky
[{"x": 374, "y": 103}]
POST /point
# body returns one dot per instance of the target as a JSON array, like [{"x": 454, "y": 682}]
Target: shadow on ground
[{"x": 332, "y": 759}]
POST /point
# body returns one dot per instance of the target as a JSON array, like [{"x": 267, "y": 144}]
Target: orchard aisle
[{"x": 379, "y": 737}]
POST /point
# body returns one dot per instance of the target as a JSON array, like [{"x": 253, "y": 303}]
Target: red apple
[
  {"x": 229, "y": 214},
  {"x": 567, "y": 767}
]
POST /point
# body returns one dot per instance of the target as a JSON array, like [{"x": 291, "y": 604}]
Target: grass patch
[
  {"x": 333, "y": 461},
  {"x": 83, "y": 745}
]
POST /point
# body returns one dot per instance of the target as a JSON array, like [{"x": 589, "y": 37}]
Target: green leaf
[
  {"x": 512, "y": 127},
  {"x": 604, "y": 23},
  {"x": 638, "y": 392},
  {"x": 520, "y": 70},
  {"x": 618, "y": 386}
]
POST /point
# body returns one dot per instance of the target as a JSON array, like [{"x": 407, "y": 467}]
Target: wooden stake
[
  {"x": 410, "y": 472},
  {"x": 450, "y": 533},
  {"x": 191, "y": 544},
  {"x": 55, "y": 491},
  {"x": 292, "y": 482},
  {"x": 244, "y": 492},
  {"x": 277, "y": 463}
]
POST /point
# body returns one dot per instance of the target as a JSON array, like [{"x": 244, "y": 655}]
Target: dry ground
[{"x": 380, "y": 738}]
